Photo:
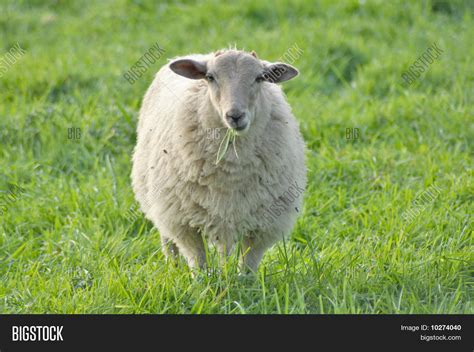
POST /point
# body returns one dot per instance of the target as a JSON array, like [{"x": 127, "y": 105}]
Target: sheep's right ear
[{"x": 189, "y": 68}]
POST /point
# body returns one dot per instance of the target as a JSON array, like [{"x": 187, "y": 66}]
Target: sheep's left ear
[
  {"x": 279, "y": 72},
  {"x": 189, "y": 68}
]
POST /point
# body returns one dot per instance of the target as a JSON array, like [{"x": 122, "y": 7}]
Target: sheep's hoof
[
  {"x": 200, "y": 274},
  {"x": 245, "y": 269},
  {"x": 247, "y": 277},
  {"x": 169, "y": 249}
]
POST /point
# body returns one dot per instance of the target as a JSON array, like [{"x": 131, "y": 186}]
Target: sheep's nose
[{"x": 234, "y": 115}]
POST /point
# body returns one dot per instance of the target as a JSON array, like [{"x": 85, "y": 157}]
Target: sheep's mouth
[
  {"x": 241, "y": 128},
  {"x": 238, "y": 126}
]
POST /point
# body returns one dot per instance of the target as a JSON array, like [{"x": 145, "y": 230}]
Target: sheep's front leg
[
  {"x": 169, "y": 248},
  {"x": 191, "y": 247},
  {"x": 252, "y": 253}
]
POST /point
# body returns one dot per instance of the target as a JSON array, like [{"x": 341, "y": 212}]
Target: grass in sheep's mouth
[{"x": 229, "y": 138}]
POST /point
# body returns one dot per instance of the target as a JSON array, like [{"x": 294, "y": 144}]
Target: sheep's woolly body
[{"x": 185, "y": 194}]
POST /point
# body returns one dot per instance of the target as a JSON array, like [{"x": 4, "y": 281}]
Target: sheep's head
[{"x": 234, "y": 80}]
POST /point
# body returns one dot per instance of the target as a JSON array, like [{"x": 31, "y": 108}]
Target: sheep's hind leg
[
  {"x": 224, "y": 250},
  {"x": 252, "y": 253}
]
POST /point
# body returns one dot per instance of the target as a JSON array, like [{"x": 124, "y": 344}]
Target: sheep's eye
[
  {"x": 210, "y": 78},
  {"x": 259, "y": 79}
]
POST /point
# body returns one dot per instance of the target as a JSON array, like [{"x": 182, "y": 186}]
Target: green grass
[{"x": 66, "y": 245}]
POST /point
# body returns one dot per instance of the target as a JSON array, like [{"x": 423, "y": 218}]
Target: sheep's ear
[
  {"x": 279, "y": 72},
  {"x": 189, "y": 68}
]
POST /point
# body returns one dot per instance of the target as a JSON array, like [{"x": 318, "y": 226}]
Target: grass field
[{"x": 67, "y": 244}]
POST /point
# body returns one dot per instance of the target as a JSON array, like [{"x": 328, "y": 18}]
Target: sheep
[{"x": 251, "y": 197}]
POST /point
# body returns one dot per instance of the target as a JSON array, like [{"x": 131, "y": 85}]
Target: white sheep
[{"x": 254, "y": 194}]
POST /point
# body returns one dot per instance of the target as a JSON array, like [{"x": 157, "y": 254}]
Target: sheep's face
[{"x": 234, "y": 80}]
